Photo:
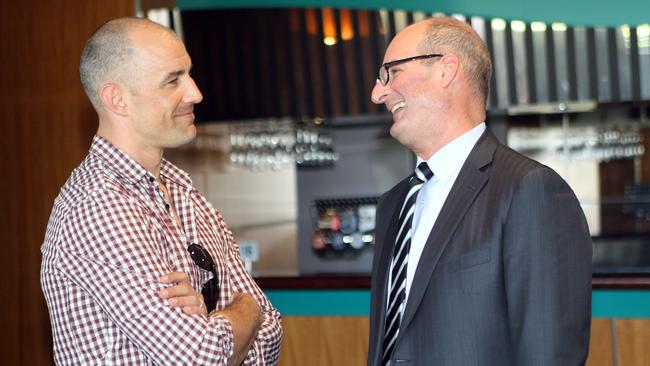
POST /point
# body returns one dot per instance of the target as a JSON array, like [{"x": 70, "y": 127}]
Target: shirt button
[
  {"x": 167, "y": 206},
  {"x": 152, "y": 179}
]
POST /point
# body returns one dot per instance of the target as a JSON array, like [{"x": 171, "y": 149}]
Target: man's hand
[
  {"x": 182, "y": 294},
  {"x": 245, "y": 318}
]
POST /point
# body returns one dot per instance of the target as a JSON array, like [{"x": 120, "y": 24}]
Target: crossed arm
[
  {"x": 243, "y": 313},
  {"x": 121, "y": 268}
]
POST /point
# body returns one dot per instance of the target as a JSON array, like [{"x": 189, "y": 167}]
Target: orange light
[
  {"x": 347, "y": 32},
  {"x": 364, "y": 23},
  {"x": 310, "y": 15},
  {"x": 329, "y": 25}
]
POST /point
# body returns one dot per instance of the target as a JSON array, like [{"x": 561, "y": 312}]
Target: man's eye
[{"x": 173, "y": 81}]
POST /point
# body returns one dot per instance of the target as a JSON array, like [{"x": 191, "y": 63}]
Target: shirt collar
[
  {"x": 175, "y": 174},
  {"x": 129, "y": 169},
  {"x": 452, "y": 156}
]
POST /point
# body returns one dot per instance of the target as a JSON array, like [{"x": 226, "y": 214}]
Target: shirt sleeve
[
  {"x": 113, "y": 250},
  {"x": 266, "y": 347}
]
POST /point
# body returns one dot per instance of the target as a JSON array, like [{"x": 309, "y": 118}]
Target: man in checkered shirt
[{"x": 130, "y": 242}]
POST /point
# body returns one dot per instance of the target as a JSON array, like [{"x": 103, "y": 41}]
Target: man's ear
[
  {"x": 449, "y": 68},
  {"x": 113, "y": 98}
]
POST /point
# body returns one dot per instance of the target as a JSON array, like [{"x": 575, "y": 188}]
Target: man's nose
[
  {"x": 379, "y": 93},
  {"x": 194, "y": 94}
]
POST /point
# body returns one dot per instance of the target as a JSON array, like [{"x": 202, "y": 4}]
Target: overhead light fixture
[
  {"x": 330, "y": 41},
  {"x": 643, "y": 30},
  {"x": 559, "y": 27},
  {"x": 498, "y": 24},
  {"x": 518, "y": 26},
  {"x": 538, "y": 26}
]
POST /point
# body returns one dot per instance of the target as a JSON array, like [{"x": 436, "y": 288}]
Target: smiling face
[
  {"x": 438, "y": 93},
  {"x": 412, "y": 94},
  {"x": 162, "y": 95}
]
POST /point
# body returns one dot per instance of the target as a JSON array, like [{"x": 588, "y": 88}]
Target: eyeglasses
[
  {"x": 203, "y": 259},
  {"x": 384, "y": 70}
]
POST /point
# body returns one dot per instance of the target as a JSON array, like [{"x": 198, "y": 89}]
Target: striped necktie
[{"x": 397, "y": 293}]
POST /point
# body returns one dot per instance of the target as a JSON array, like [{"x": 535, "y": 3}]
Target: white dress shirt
[{"x": 445, "y": 165}]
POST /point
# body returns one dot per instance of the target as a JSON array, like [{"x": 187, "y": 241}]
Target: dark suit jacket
[{"x": 505, "y": 275}]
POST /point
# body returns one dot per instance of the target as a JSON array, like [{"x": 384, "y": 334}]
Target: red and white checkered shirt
[{"x": 109, "y": 239}]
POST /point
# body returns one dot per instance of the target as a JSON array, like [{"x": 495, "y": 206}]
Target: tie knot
[{"x": 423, "y": 172}]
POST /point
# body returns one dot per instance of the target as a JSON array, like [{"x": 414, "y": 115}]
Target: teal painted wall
[
  {"x": 605, "y": 303},
  {"x": 577, "y": 12},
  {"x": 321, "y": 302}
]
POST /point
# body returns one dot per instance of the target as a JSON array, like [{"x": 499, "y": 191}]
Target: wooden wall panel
[
  {"x": 49, "y": 124},
  {"x": 344, "y": 341},
  {"x": 324, "y": 341},
  {"x": 600, "y": 345},
  {"x": 633, "y": 338}
]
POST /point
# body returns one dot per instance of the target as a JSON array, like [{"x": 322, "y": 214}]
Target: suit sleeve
[{"x": 547, "y": 259}]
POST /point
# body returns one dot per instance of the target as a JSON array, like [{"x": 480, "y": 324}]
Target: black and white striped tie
[{"x": 397, "y": 293}]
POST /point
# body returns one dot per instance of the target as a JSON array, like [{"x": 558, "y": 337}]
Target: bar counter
[{"x": 614, "y": 295}]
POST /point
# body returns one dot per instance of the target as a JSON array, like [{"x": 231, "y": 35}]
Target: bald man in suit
[{"x": 491, "y": 265}]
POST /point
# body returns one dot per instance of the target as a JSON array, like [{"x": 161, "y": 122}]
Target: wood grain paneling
[
  {"x": 49, "y": 124},
  {"x": 324, "y": 341},
  {"x": 600, "y": 345},
  {"x": 632, "y": 339},
  {"x": 344, "y": 341}
]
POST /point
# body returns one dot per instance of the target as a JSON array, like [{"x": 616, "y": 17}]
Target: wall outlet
[{"x": 249, "y": 250}]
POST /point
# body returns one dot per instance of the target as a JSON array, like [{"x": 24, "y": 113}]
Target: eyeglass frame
[
  {"x": 386, "y": 66},
  {"x": 210, "y": 289}
]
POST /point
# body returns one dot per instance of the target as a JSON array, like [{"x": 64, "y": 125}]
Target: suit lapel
[
  {"x": 389, "y": 214},
  {"x": 386, "y": 231},
  {"x": 468, "y": 184}
]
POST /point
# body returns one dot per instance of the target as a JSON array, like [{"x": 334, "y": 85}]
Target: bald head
[
  {"x": 445, "y": 35},
  {"x": 108, "y": 55}
]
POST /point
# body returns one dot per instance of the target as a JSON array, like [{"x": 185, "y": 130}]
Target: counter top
[{"x": 354, "y": 282}]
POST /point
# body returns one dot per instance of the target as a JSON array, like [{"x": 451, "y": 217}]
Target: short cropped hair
[
  {"x": 108, "y": 55},
  {"x": 446, "y": 34}
]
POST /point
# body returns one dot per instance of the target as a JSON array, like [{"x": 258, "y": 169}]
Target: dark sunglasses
[{"x": 203, "y": 259}]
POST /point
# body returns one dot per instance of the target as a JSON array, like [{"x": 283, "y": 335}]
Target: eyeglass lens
[{"x": 384, "y": 70}]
